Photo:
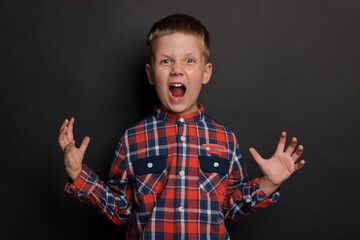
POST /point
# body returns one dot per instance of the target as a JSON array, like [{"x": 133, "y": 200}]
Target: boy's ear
[
  {"x": 207, "y": 73},
  {"x": 149, "y": 74}
]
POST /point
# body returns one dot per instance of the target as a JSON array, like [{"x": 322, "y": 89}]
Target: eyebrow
[{"x": 192, "y": 53}]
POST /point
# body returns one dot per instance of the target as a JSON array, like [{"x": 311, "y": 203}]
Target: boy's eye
[
  {"x": 166, "y": 61},
  {"x": 190, "y": 60}
]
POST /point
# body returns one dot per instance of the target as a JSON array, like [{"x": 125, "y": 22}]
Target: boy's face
[{"x": 178, "y": 71}]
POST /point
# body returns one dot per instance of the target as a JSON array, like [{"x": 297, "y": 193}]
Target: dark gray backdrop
[{"x": 278, "y": 65}]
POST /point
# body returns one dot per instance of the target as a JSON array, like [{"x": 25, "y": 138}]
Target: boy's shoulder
[
  {"x": 216, "y": 124},
  {"x": 140, "y": 124}
]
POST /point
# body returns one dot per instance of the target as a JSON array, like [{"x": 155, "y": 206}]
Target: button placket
[
  {"x": 181, "y": 132},
  {"x": 181, "y": 162}
]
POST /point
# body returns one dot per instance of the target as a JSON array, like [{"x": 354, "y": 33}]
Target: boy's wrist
[
  {"x": 74, "y": 175},
  {"x": 267, "y": 186}
]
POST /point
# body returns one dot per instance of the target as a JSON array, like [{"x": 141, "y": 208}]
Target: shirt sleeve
[
  {"x": 113, "y": 199},
  {"x": 243, "y": 196}
]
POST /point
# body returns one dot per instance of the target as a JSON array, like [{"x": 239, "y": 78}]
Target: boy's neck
[{"x": 178, "y": 115}]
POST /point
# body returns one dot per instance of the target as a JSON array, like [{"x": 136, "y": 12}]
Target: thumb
[
  {"x": 255, "y": 155},
  {"x": 84, "y": 144}
]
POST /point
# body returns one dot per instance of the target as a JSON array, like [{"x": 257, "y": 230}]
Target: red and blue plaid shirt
[{"x": 174, "y": 178}]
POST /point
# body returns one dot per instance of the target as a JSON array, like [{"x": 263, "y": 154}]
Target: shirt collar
[{"x": 172, "y": 118}]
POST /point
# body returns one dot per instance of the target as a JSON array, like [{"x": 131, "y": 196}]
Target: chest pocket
[
  {"x": 213, "y": 174},
  {"x": 151, "y": 174}
]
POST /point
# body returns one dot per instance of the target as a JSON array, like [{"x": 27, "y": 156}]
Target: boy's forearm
[{"x": 267, "y": 186}]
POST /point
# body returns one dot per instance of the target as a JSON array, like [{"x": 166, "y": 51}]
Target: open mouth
[{"x": 177, "y": 90}]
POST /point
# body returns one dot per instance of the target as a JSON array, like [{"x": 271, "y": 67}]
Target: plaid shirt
[{"x": 174, "y": 178}]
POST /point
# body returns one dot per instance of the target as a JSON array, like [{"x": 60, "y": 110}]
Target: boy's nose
[{"x": 176, "y": 70}]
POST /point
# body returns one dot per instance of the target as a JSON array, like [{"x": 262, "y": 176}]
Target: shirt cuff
[
  {"x": 256, "y": 198},
  {"x": 84, "y": 185}
]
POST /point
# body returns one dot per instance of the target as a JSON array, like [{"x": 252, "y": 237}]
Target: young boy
[{"x": 177, "y": 174}]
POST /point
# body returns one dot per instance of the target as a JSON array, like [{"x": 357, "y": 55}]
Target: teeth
[{"x": 176, "y": 85}]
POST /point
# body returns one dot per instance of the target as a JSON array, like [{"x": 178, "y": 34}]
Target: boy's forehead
[{"x": 177, "y": 41}]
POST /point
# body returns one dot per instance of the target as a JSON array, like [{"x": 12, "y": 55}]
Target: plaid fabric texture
[{"x": 174, "y": 178}]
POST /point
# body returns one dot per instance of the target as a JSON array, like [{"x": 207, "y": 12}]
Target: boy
[{"x": 178, "y": 173}]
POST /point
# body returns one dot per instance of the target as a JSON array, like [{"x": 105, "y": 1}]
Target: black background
[{"x": 278, "y": 65}]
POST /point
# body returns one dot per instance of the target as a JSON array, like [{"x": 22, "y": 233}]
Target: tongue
[{"x": 177, "y": 91}]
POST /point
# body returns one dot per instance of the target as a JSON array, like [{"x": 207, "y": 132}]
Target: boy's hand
[
  {"x": 73, "y": 156},
  {"x": 280, "y": 166}
]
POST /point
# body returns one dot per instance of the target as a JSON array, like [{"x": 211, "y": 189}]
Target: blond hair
[{"x": 178, "y": 23}]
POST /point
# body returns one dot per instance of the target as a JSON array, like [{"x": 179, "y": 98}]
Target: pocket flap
[
  {"x": 214, "y": 164},
  {"x": 155, "y": 164}
]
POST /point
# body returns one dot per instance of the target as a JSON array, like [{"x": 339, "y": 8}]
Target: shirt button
[
  {"x": 216, "y": 164},
  {"x": 182, "y": 120},
  {"x": 182, "y": 173},
  {"x": 181, "y": 209},
  {"x": 150, "y": 165},
  {"x": 248, "y": 200},
  {"x": 183, "y": 138}
]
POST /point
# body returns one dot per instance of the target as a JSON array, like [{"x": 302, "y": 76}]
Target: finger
[
  {"x": 298, "y": 153},
  {"x": 64, "y": 125},
  {"x": 62, "y": 133},
  {"x": 71, "y": 124},
  {"x": 257, "y": 157},
  {"x": 282, "y": 141},
  {"x": 63, "y": 129},
  {"x": 61, "y": 137},
  {"x": 84, "y": 144},
  {"x": 69, "y": 129},
  {"x": 61, "y": 141},
  {"x": 299, "y": 165},
  {"x": 290, "y": 149}
]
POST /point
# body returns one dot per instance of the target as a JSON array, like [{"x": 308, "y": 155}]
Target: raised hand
[
  {"x": 73, "y": 156},
  {"x": 280, "y": 166}
]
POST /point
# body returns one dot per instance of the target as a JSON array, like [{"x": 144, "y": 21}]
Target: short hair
[{"x": 178, "y": 23}]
